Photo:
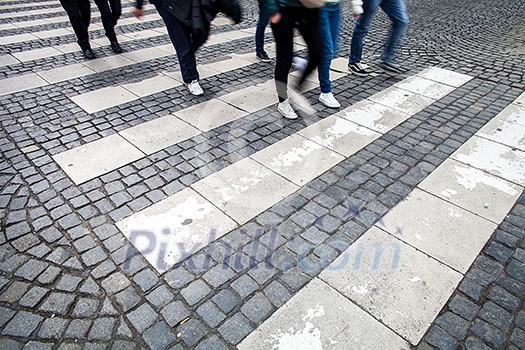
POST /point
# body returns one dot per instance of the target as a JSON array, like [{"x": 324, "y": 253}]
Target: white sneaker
[
  {"x": 301, "y": 102},
  {"x": 329, "y": 100},
  {"x": 195, "y": 88},
  {"x": 285, "y": 108},
  {"x": 299, "y": 63}
]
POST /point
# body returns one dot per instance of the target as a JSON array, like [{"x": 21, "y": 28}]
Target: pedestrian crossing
[
  {"x": 417, "y": 254},
  {"x": 430, "y": 240},
  {"x": 269, "y": 175},
  {"x": 99, "y": 65}
]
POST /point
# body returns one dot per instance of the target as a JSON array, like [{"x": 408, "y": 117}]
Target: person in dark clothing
[
  {"x": 109, "y": 20},
  {"x": 79, "y": 13},
  {"x": 285, "y": 15},
  {"x": 116, "y": 10},
  {"x": 185, "y": 39}
]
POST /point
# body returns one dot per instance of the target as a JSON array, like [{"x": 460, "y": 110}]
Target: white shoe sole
[{"x": 326, "y": 104}]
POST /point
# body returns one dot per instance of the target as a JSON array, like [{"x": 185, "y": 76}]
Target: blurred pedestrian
[
  {"x": 396, "y": 11},
  {"x": 285, "y": 16},
  {"x": 186, "y": 39}
]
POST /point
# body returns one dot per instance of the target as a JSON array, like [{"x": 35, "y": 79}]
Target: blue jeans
[
  {"x": 262, "y": 23},
  {"x": 329, "y": 23},
  {"x": 396, "y": 10}
]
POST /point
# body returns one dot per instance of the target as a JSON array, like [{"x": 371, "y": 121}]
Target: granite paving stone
[{"x": 75, "y": 168}]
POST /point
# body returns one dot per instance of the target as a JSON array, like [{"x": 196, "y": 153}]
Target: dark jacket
[
  {"x": 272, "y": 6},
  {"x": 198, "y": 14}
]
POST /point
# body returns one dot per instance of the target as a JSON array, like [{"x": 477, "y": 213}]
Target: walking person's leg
[
  {"x": 180, "y": 36},
  {"x": 116, "y": 10},
  {"x": 107, "y": 22},
  {"x": 309, "y": 29},
  {"x": 361, "y": 29},
  {"x": 262, "y": 23},
  {"x": 329, "y": 21},
  {"x": 396, "y": 11},
  {"x": 79, "y": 14},
  {"x": 283, "y": 35}
]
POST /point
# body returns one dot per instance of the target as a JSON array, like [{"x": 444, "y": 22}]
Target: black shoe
[
  {"x": 115, "y": 46},
  {"x": 358, "y": 69},
  {"x": 391, "y": 67},
  {"x": 263, "y": 57},
  {"x": 89, "y": 54}
]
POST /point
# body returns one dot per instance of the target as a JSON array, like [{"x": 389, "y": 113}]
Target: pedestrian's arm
[
  {"x": 272, "y": 7},
  {"x": 137, "y": 11}
]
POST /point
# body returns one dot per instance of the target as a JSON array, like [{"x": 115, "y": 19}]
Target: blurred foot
[
  {"x": 115, "y": 46},
  {"x": 89, "y": 54},
  {"x": 299, "y": 63},
  {"x": 285, "y": 108}
]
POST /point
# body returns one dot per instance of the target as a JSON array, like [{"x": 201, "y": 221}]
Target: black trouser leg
[
  {"x": 79, "y": 13},
  {"x": 310, "y": 30},
  {"x": 283, "y": 34},
  {"x": 116, "y": 10},
  {"x": 107, "y": 20}
]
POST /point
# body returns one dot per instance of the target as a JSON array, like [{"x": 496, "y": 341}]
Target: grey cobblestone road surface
[{"x": 70, "y": 280}]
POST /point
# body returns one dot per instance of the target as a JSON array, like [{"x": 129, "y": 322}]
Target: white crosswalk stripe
[
  {"x": 268, "y": 175},
  {"x": 416, "y": 255}
]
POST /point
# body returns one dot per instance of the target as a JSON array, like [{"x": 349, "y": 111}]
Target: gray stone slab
[
  {"x": 394, "y": 282},
  {"x": 318, "y": 317},
  {"x": 230, "y": 62},
  {"x": 495, "y": 158},
  {"x": 469, "y": 188},
  {"x": 210, "y": 114},
  {"x": 425, "y": 87},
  {"x": 107, "y": 63},
  {"x": 98, "y": 100},
  {"x": 445, "y": 76},
  {"x": 150, "y": 86},
  {"x": 244, "y": 189},
  {"x": 36, "y": 54},
  {"x": 158, "y": 134},
  {"x": 442, "y": 230},
  {"x": 339, "y": 135},
  {"x": 72, "y": 71},
  {"x": 96, "y": 158},
  {"x": 520, "y": 100},
  {"x": 510, "y": 134},
  {"x": 374, "y": 115},
  {"x": 17, "y": 38},
  {"x": 405, "y": 101},
  {"x": 175, "y": 228},
  {"x": 513, "y": 113},
  {"x": 296, "y": 152},
  {"x": 21, "y": 83},
  {"x": 250, "y": 99},
  {"x": 6, "y": 60}
]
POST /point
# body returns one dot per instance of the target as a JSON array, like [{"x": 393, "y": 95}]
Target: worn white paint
[
  {"x": 175, "y": 228},
  {"x": 318, "y": 317}
]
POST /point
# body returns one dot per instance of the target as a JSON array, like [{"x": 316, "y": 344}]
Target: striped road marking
[
  {"x": 416, "y": 255},
  {"x": 268, "y": 175}
]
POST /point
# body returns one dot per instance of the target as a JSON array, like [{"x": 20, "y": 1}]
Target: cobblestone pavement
[{"x": 94, "y": 155}]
